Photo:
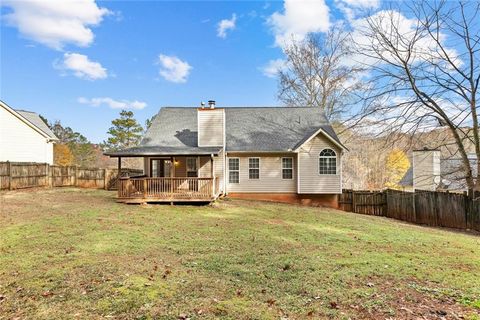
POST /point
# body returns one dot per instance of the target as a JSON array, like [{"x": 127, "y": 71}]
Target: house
[
  {"x": 429, "y": 171},
  {"x": 268, "y": 153},
  {"x": 24, "y": 137}
]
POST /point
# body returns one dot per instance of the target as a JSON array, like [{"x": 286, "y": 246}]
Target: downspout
[{"x": 225, "y": 192}]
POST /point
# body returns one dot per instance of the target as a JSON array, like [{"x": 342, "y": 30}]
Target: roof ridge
[{"x": 22, "y": 110}]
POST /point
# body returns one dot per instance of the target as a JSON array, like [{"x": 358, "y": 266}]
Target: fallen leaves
[
  {"x": 271, "y": 302},
  {"x": 47, "y": 293}
]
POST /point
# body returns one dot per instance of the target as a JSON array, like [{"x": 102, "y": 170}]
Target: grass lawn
[{"x": 71, "y": 253}]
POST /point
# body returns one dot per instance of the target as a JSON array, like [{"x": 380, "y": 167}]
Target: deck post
[
  {"x": 213, "y": 188},
  {"x": 144, "y": 188}
]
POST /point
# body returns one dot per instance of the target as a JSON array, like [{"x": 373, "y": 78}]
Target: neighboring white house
[
  {"x": 430, "y": 171},
  {"x": 24, "y": 137}
]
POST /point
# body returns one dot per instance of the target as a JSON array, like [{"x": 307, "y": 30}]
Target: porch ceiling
[{"x": 142, "y": 151}]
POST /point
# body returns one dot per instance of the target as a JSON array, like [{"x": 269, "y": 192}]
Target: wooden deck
[{"x": 178, "y": 189}]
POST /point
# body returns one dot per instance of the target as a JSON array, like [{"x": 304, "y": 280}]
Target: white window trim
[
  {"x": 259, "y": 165},
  {"x": 228, "y": 170},
  {"x": 287, "y": 168},
  {"x": 329, "y": 157}
]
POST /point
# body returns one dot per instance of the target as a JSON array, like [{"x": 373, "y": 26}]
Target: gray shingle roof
[
  {"x": 407, "y": 179},
  {"x": 264, "y": 129},
  {"x": 35, "y": 119}
]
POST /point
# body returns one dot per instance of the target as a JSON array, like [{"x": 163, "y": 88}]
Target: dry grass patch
[{"x": 76, "y": 253}]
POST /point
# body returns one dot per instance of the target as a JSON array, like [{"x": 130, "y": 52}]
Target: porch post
[
  {"x": 211, "y": 167},
  {"x": 212, "y": 176},
  {"x": 172, "y": 175}
]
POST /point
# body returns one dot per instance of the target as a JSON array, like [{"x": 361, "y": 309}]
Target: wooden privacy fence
[
  {"x": 440, "y": 209},
  {"x": 20, "y": 175}
]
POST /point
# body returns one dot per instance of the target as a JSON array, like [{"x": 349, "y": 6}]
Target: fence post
[
  {"x": 414, "y": 206},
  {"x": 436, "y": 210},
  {"x": 47, "y": 173},
  {"x": 9, "y": 166},
  {"x": 105, "y": 179},
  {"x": 51, "y": 169},
  {"x": 353, "y": 202},
  {"x": 467, "y": 210},
  {"x": 76, "y": 176},
  {"x": 385, "y": 203}
]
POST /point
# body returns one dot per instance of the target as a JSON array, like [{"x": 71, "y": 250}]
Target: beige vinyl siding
[
  {"x": 205, "y": 169},
  {"x": 270, "y": 174},
  {"x": 146, "y": 166},
  {"x": 210, "y": 127},
  {"x": 19, "y": 142},
  {"x": 310, "y": 180}
]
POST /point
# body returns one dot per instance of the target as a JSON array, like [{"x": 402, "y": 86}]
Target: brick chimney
[{"x": 426, "y": 169}]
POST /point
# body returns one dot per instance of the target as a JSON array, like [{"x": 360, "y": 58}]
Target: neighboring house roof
[
  {"x": 32, "y": 119},
  {"x": 248, "y": 129},
  {"x": 407, "y": 179},
  {"x": 35, "y": 119}
]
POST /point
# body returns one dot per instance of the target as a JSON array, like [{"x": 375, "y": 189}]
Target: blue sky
[{"x": 81, "y": 64}]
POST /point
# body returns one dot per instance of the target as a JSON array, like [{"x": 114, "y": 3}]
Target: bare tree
[
  {"x": 318, "y": 72},
  {"x": 425, "y": 73}
]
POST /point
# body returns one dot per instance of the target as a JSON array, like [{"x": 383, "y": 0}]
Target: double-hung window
[
  {"x": 327, "y": 163},
  {"x": 234, "y": 170},
  {"x": 287, "y": 168},
  {"x": 254, "y": 168}
]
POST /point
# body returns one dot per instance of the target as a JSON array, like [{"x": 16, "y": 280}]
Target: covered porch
[{"x": 179, "y": 177}]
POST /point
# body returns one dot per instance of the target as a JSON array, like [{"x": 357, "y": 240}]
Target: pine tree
[{"x": 125, "y": 132}]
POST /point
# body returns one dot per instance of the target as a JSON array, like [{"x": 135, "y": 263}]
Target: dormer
[{"x": 211, "y": 125}]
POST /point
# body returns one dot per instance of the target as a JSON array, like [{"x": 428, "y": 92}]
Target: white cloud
[
  {"x": 225, "y": 25},
  {"x": 300, "y": 18},
  {"x": 82, "y": 67},
  {"x": 55, "y": 23},
  {"x": 272, "y": 68},
  {"x": 173, "y": 69},
  {"x": 113, "y": 104},
  {"x": 364, "y": 4},
  {"x": 361, "y": 4},
  {"x": 354, "y": 8}
]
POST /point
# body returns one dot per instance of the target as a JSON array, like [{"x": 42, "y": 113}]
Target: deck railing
[{"x": 166, "y": 189}]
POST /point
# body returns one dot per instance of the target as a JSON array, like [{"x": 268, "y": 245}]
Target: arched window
[{"x": 327, "y": 163}]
